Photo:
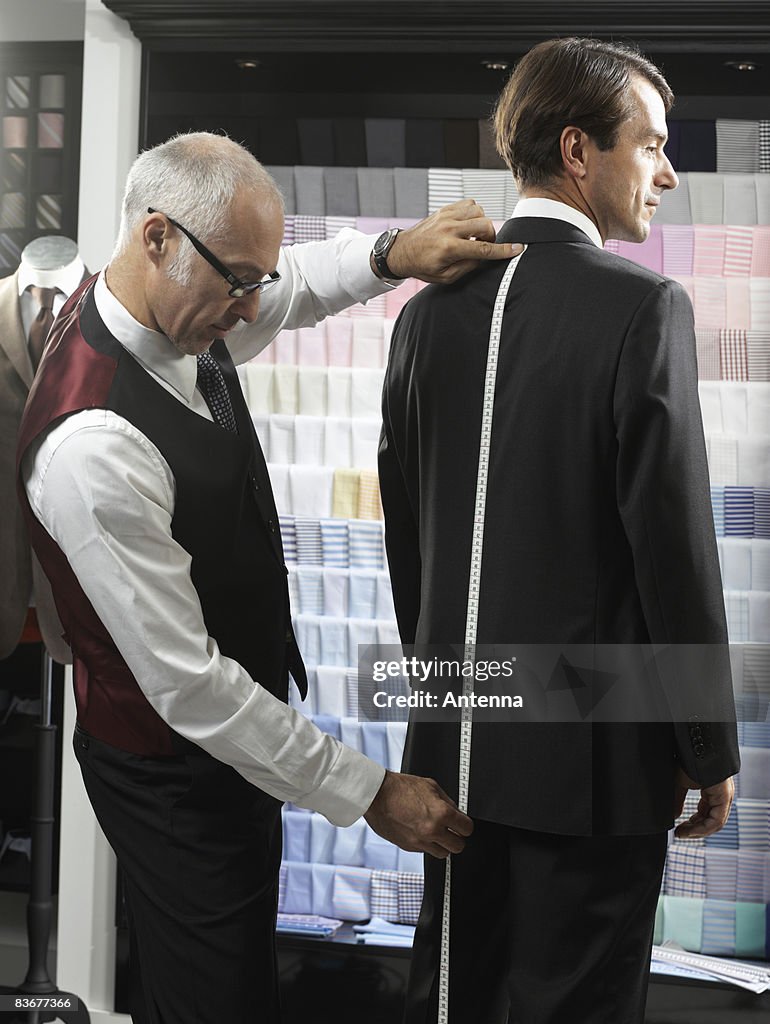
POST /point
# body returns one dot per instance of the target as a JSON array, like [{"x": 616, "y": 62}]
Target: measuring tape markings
[{"x": 472, "y": 614}]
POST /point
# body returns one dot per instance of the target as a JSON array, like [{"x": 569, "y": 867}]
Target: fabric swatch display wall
[
  {"x": 314, "y": 395},
  {"x": 349, "y": 142}
]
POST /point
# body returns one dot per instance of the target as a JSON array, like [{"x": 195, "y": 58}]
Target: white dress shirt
[
  {"x": 106, "y": 495},
  {"x": 538, "y": 207}
]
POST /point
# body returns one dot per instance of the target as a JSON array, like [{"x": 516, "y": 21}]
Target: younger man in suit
[{"x": 597, "y": 530}]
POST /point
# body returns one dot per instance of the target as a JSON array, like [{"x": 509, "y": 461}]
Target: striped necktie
[
  {"x": 41, "y": 325},
  {"x": 211, "y": 384}
]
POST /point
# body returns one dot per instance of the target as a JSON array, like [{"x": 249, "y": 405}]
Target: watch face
[{"x": 381, "y": 244}]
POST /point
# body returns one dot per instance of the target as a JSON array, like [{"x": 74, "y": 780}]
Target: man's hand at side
[
  {"x": 416, "y": 814},
  {"x": 448, "y": 244},
  {"x": 713, "y": 807}
]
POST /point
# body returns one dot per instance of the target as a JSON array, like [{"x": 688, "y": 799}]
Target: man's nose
[
  {"x": 666, "y": 176},
  {"x": 247, "y": 307}
]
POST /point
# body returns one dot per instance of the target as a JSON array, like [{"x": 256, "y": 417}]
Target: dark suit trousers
[
  {"x": 200, "y": 850},
  {"x": 558, "y": 929}
]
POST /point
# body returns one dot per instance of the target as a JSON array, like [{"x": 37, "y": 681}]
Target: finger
[
  {"x": 478, "y": 249},
  {"x": 702, "y": 824},
  {"x": 450, "y": 841},
  {"x": 459, "y": 823},
  {"x": 436, "y": 851},
  {"x": 464, "y": 208},
  {"x": 476, "y": 227}
]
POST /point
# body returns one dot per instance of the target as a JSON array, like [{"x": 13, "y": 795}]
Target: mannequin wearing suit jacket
[
  {"x": 598, "y": 530},
  {"x": 48, "y": 263}
]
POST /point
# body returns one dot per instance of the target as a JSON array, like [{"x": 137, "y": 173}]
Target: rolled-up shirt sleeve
[{"x": 105, "y": 494}]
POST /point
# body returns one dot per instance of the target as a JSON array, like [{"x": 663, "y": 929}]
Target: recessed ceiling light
[
  {"x": 495, "y": 65},
  {"x": 247, "y": 63},
  {"x": 742, "y": 65}
]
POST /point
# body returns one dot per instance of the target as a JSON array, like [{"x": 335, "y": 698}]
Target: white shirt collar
[
  {"x": 66, "y": 279},
  {"x": 150, "y": 348},
  {"x": 538, "y": 207}
]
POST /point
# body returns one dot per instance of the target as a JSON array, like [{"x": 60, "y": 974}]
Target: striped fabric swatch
[
  {"x": 334, "y": 542},
  {"x": 367, "y": 549},
  {"x": 309, "y": 548},
  {"x": 727, "y": 839},
  {"x": 740, "y": 511},
  {"x": 753, "y": 825},
  {"x": 737, "y": 145},
  {"x": 445, "y": 185},
  {"x": 733, "y": 355},
  {"x": 488, "y": 188},
  {"x": 718, "y": 928},
  {"x": 758, "y": 354},
  {"x": 352, "y": 893},
  {"x": 709, "y": 250},
  {"x": 678, "y": 249},
  {"x": 721, "y": 872},
  {"x": 739, "y": 243}
]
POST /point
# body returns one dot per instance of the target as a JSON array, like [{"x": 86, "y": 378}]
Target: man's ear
[
  {"x": 155, "y": 238},
  {"x": 573, "y": 151}
]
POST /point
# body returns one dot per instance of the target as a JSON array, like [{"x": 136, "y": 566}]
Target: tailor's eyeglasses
[{"x": 238, "y": 288}]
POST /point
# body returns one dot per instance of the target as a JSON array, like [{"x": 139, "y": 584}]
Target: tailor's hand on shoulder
[
  {"x": 416, "y": 814},
  {"x": 449, "y": 243}
]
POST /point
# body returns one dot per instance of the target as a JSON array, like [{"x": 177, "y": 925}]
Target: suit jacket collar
[
  {"x": 12, "y": 337},
  {"x": 541, "y": 229}
]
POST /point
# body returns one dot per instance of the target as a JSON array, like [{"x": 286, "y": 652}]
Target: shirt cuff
[
  {"x": 356, "y": 273},
  {"x": 347, "y": 790}
]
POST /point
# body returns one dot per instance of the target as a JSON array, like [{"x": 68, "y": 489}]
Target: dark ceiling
[{"x": 690, "y": 74}]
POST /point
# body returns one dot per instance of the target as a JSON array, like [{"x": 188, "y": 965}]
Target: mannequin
[{"x": 49, "y": 262}]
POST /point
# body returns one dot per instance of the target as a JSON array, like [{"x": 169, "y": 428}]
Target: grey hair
[{"x": 193, "y": 178}]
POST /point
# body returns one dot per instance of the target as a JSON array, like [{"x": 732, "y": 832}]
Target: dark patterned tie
[
  {"x": 41, "y": 325},
  {"x": 211, "y": 385}
]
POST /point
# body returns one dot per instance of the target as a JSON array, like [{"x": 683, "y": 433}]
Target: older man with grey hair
[{"x": 148, "y": 502}]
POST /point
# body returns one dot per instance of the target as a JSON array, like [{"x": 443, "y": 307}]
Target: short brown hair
[{"x": 561, "y": 82}]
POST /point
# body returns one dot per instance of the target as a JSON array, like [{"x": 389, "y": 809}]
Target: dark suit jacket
[{"x": 598, "y": 519}]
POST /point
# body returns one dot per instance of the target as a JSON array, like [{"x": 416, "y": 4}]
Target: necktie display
[
  {"x": 41, "y": 325},
  {"x": 211, "y": 385}
]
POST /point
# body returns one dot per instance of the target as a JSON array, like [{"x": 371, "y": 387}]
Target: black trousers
[
  {"x": 200, "y": 850},
  {"x": 553, "y": 929}
]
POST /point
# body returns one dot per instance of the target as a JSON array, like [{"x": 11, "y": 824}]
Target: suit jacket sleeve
[
  {"x": 664, "y": 502},
  {"x": 399, "y": 501}
]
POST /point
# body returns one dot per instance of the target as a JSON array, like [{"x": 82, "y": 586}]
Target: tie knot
[
  {"x": 208, "y": 370},
  {"x": 43, "y": 296}
]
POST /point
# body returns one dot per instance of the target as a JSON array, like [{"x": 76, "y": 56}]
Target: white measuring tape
[{"x": 472, "y": 614}]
